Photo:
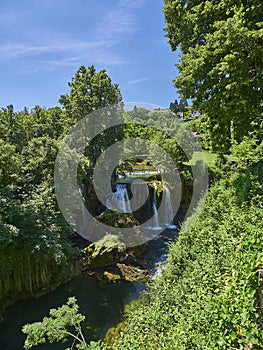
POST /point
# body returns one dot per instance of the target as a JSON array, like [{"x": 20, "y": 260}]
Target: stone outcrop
[
  {"x": 133, "y": 273},
  {"x": 111, "y": 249}
]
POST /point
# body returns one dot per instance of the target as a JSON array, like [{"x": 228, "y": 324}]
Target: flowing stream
[{"x": 102, "y": 303}]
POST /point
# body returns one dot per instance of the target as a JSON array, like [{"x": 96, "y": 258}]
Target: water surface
[{"x": 102, "y": 304}]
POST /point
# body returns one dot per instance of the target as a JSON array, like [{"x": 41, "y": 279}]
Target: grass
[{"x": 208, "y": 157}]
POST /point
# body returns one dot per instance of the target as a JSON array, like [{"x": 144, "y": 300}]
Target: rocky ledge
[{"x": 112, "y": 259}]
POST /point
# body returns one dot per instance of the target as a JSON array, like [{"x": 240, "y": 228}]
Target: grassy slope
[{"x": 207, "y": 297}]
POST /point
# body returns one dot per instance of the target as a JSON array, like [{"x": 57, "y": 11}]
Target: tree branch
[{"x": 74, "y": 336}]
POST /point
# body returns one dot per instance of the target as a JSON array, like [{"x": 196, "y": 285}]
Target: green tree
[
  {"x": 18, "y": 128},
  {"x": 35, "y": 248},
  {"x": 158, "y": 130},
  {"x": 174, "y": 107},
  {"x": 10, "y": 163},
  {"x": 221, "y": 62},
  {"x": 89, "y": 91},
  {"x": 63, "y": 323},
  {"x": 49, "y": 122},
  {"x": 182, "y": 105},
  {"x": 38, "y": 160},
  {"x": 35, "y": 245},
  {"x": 7, "y": 120},
  {"x": 56, "y": 327}
]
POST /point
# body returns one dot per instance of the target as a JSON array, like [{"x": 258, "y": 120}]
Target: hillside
[{"x": 208, "y": 296}]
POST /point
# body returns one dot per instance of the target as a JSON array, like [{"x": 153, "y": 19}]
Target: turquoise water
[{"x": 102, "y": 304}]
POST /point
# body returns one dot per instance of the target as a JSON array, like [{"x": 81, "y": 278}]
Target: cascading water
[
  {"x": 119, "y": 199},
  {"x": 115, "y": 295},
  {"x": 168, "y": 214},
  {"x": 156, "y": 223}
]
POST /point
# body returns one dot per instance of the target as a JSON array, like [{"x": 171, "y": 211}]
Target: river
[{"x": 101, "y": 303}]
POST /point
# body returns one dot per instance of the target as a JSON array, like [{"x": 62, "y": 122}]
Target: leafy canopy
[
  {"x": 56, "y": 327},
  {"x": 221, "y": 62},
  {"x": 90, "y": 91}
]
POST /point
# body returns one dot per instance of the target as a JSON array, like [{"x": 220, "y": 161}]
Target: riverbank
[
  {"x": 209, "y": 294},
  {"x": 102, "y": 301}
]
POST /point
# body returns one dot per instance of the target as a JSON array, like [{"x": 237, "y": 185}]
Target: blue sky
[{"x": 43, "y": 42}]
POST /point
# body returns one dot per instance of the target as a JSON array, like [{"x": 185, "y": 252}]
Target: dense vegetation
[
  {"x": 209, "y": 294},
  {"x": 221, "y": 63},
  {"x": 34, "y": 239},
  {"x": 36, "y": 250}
]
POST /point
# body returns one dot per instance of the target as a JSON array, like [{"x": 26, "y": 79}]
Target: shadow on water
[{"x": 102, "y": 304}]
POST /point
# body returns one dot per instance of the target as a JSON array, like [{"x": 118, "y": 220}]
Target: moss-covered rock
[
  {"x": 116, "y": 218},
  {"x": 111, "y": 277},
  {"x": 132, "y": 273},
  {"x": 111, "y": 249},
  {"x": 105, "y": 252}
]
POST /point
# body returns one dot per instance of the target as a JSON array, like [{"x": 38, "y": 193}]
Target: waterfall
[
  {"x": 159, "y": 218},
  {"x": 156, "y": 223},
  {"x": 168, "y": 214},
  {"x": 119, "y": 199},
  {"x": 82, "y": 189},
  {"x": 168, "y": 206}
]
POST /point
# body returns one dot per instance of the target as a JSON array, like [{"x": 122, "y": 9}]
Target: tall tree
[
  {"x": 221, "y": 43},
  {"x": 89, "y": 91},
  {"x": 174, "y": 107},
  {"x": 10, "y": 163},
  {"x": 182, "y": 105},
  {"x": 7, "y": 121}
]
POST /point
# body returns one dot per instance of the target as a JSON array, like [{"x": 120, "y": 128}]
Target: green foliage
[
  {"x": 221, "y": 63},
  {"x": 34, "y": 242},
  {"x": 92, "y": 91},
  {"x": 35, "y": 250},
  {"x": 10, "y": 163},
  {"x": 89, "y": 91},
  {"x": 18, "y": 128},
  {"x": 114, "y": 334},
  {"x": 207, "y": 297},
  {"x": 163, "y": 131},
  {"x": 56, "y": 327},
  {"x": 63, "y": 323},
  {"x": 179, "y": 107},
  {"x": 200, "y": 125},
  {"x": 38, "y": 159},
  {"x": 248, "y": 151}
]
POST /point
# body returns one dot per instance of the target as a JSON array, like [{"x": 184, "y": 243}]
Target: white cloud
[
  {"x": 49, "y": 50},
  {"x": 61, "y": 54},
  {"x": 56, "y": 64},
  {"x": 137, "y": 81},
  {"x": 121, "y": 19},
  {"x": 14, "y": 50}
]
